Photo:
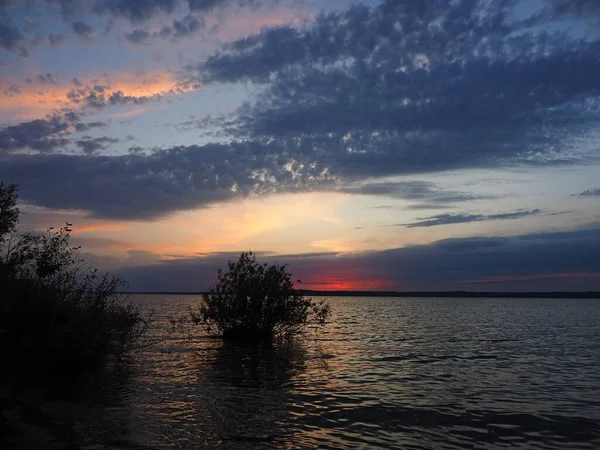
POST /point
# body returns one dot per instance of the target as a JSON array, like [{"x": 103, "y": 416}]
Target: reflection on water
[
  {"x": 254, "y": 367},
  {"x": 389, "y": 373}
]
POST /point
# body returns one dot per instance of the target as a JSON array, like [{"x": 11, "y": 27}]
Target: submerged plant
[{"x": 256, "y": 302}]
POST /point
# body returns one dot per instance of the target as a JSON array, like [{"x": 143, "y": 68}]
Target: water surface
[{"x": 386, "y": 372}]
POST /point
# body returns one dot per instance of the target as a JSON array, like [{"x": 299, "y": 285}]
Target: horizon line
[{"x": 422, "y": 294}]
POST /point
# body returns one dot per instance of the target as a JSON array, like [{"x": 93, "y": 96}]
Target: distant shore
[{"x": 430, "y": 294}]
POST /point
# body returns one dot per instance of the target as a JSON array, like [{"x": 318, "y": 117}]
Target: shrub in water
[{"x": 256, "y": 302}]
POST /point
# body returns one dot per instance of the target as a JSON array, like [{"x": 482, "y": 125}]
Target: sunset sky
[{"x": 390, "y": 145}]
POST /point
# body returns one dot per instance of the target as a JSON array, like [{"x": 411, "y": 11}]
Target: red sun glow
[{"x": 326, "y": 283}]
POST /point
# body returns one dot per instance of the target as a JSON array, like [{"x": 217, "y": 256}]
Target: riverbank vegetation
[
  {"x": 56, "y": 312},
  {"x": 256, "y": 302}
]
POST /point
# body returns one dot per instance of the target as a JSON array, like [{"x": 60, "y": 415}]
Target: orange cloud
[
  {"x": 101, "y": 226},
  {"x": 35, "y": 101}
]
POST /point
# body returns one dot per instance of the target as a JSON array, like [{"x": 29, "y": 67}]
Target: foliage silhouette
[
  {"x": 56, "y": 311},
  {"x": 256, "y": 302},
  {"x": 9, "y": 213}
]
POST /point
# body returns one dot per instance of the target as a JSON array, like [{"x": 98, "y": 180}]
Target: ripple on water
[{"x": 387, "y": 373}]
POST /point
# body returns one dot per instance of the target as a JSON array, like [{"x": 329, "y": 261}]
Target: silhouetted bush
[
  {"x": 54, "y": 309},
  {"x": 256, "y": 302}
]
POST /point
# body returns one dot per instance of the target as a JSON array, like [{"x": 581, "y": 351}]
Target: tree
[
  {"x": 55, "y": 310},
  {"x": 9, "y": 212},
  {"x": 256, "y": 302}
]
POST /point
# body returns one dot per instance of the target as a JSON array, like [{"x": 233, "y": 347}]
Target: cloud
[
  {"x": 42, "y": 79},
  {"x": 18, "y": 35},
  {"x": 11, "y": 38},
  {"x": 92, "y": 145},
  {"x": 406, "y": 89},
  {"x": 83, "y": 30},
  {"x": 135, "y": 11},
  {"x": 409, "y": 190},
  {"x": 99, "y": 96},
  {"x": 419, "y": 206},
  {"x": 43, "y": 135},
  {"x": 81, "y": 126},
  {"x": 526, "y": 262},
  {"x": 137, "y": 186},
  {"x": 209, "y": 5},
  {"x": 138, "y": 36},
  {"x": 138, "y": 11},
  {"x": 52, "y": 93},
  {"x": 179, "y": 29},
  {"x": 589, "y": 10},
  {"x": 449, "y": 219},
  {"x": 56, "y": 40},
  {"x": 152, "y": 184},
  {"x": 590, "y": 193},
  {"x": 400, "y": 88},
  {"x": 186, "y": 27},
  {"x": 12, "y": 90}
]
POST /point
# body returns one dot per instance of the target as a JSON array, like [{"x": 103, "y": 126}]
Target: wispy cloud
[
  {"x": 590, "y": 193},
  {"x": 449, "y": 219}
]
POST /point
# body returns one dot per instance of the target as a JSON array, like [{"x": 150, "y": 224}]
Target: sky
[{"x": 375, "y": 145}]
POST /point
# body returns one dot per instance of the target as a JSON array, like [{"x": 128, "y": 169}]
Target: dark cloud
[
  {"x": 11, "y": 38},
  {"x": 43, "y": 135},
  {"x": 151, "y": 185},
  {"x": 449, "y": 219},
  {"x": 186, "y": 177},
  {"x": 186, "y": 27},
  {"x": 400, "y": 88},
  {"x": 135, "y": 10},
  {"x": 56, "y": 40},
  {"x": 559, "y": 213},
  {"x": 18, "y": 34},
  {"x": 179, "y": 29},
  {"x": 12, "y": 90},
  {"x": 209, "y": 5},
  {"x": 138, "y": 36},
  {"x": 83, "y": 30},
  {"x": 590, "y": 193},
  {"x": 420, "y": 206},
  {"x": 136, "y": 150},
  {"x": 16, "y": 37},
  {"x": 410, "y": 190},
  {"x": 81, "y": 126},
  {"x": 42, "y": 79},
  {"x": 544, "y": 262},
  {"x": 589, "y": 10},
  {"x": 92, "y": 145}
]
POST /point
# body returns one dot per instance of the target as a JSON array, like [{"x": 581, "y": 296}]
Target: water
[{"x": 386, "y": 372}]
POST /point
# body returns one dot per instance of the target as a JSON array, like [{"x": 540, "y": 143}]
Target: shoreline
[{"x": 417, "y": 294}]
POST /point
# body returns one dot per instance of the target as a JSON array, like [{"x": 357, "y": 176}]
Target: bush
[
  {"x": 55, "y": 310},
  {"x": 256, "y": 302}
]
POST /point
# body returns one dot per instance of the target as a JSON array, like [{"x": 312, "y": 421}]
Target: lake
[{"x": 404, "y": 373}]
